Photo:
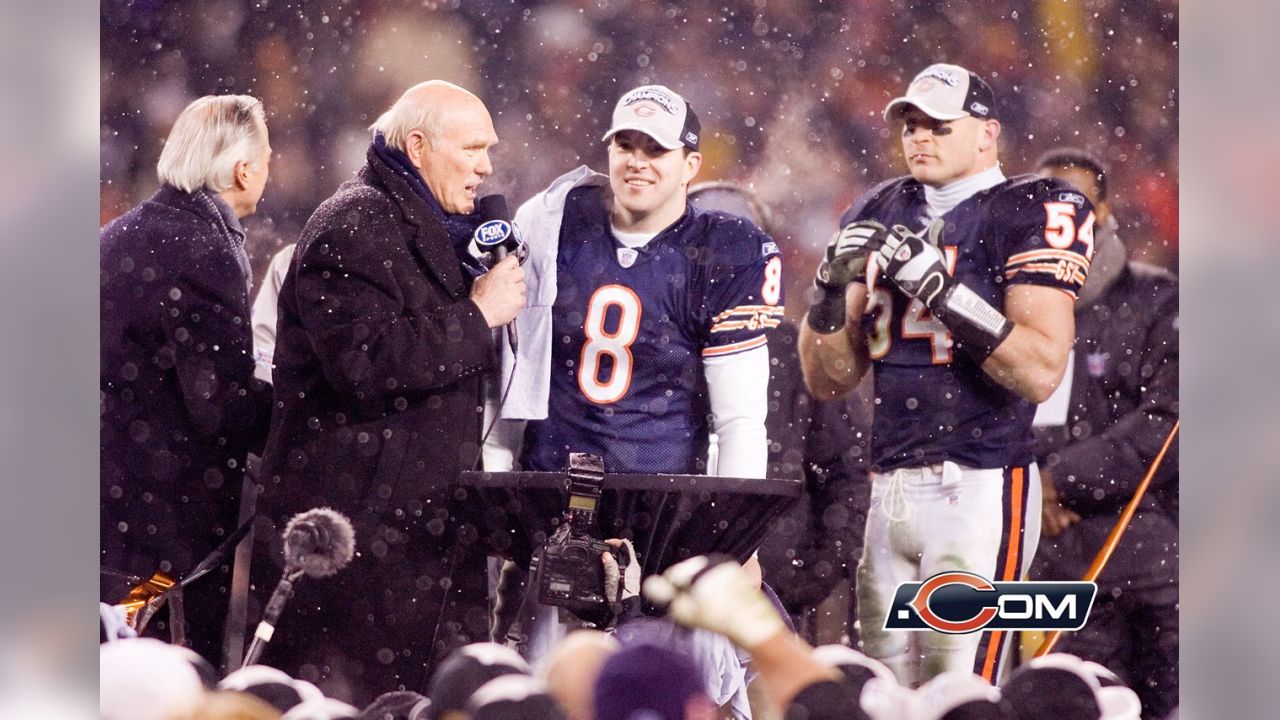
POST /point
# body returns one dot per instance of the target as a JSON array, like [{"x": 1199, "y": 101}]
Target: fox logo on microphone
[
  {"x": 493, "y": 233},
  {"x": 958, "y": 603}
]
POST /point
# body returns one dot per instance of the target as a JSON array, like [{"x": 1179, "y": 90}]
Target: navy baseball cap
[
  {"x": 649, "y": 679},
  {"x": 946, "y": 92},
  {"x": 393, "y": 705},
  {"x": 1065, "y": 687}
]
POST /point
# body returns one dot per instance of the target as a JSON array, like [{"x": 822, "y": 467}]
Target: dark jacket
[
  {"x": 824, "y": 442},
  {"x": 378, "y": 369},
  {"x": 180, "y": 409},
  {"x": 1124, "y": 398}
]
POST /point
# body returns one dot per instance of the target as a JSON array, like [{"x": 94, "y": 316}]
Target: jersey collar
[
  {"x": 942, "y": 200},
  {"x": 645, "y": 252}
]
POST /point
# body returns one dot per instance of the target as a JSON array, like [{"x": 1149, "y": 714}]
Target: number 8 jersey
[
  {"x": 630, "y": 329},
  {"x": 934, "y": 404}
]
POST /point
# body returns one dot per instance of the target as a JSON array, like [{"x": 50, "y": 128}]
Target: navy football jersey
[
  {"x": 630, "y": 328},
  {"x": 933, "y": 404}
]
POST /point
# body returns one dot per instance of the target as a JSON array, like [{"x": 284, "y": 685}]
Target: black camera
[{"x": 566, "y": 569}]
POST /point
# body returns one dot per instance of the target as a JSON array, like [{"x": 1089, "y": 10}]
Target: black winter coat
[
  {"x": 1124, "y": 398},
  {"x": 179, "y": 408},
  {"x": 379, "y": 361},
  {"x": 379, "y": 355}
]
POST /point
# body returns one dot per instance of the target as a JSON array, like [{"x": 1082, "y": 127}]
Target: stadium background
[{"x": 789, "y": 91}]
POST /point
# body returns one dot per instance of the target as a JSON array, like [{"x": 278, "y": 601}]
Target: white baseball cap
[
  {"x": 946, "y": 92},
  {"x": 146, "y": 679},
  {"x": 659, "y": 112}
]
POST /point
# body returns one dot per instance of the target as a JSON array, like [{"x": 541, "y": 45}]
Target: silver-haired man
[{"x": 180, "y": 410}]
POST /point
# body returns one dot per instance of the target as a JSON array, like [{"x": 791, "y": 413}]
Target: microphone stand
[{"x": 271, "y": 615}]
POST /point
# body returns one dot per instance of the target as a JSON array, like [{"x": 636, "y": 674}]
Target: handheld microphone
[
  {"x": 317, "y": 543},
  {"x": 497, "y": 235}
]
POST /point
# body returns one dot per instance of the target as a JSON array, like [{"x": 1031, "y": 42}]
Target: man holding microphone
[{"x": 383, "y": 340}]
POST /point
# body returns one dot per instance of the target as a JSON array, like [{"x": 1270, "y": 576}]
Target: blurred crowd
[
  {"x": 591, "y": 675},
  {"x": 789, "y": 91}
]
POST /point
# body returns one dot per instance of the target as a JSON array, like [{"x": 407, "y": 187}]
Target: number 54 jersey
[
  {"x": 934, "y": 404},
  {"x": 632, "y": 327}
]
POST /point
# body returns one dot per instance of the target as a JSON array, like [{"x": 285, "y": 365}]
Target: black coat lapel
[{"x": 431, "y": 241}]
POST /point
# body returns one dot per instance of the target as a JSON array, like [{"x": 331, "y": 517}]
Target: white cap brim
[
  {"x": 664, "y": 142},
  {"x": 896, "y": 103}
]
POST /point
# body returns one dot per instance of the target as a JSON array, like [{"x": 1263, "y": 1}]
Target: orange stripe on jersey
[
  {"x": 1077, "y": 276},
  {"x": 748, "y": 310},
  {"x": 752, "y": 324},
  {"x": 1048, "y": 255},
  {"x": 751, "y": 344},
  {"x": 1039, "y": 267}
]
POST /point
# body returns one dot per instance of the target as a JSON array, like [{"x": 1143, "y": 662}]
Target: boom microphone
[
  {"x": 497, "y": 235},
  {"x": 317, "y": 543}
]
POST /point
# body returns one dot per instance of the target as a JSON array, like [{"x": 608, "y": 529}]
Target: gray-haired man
[{"x": 180, "y": 409}]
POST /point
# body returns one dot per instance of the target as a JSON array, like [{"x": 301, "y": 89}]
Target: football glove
[
  {"x": 716, "y": 594},
  {"x": 847, "y": 253},
  {"x": 845, "y": 262},
  {"x": 919, "y": 269}
]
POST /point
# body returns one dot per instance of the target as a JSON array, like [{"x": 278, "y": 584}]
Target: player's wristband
[
  {"x": 976, "y": 327},
  {"x": 826, "y": 315}
]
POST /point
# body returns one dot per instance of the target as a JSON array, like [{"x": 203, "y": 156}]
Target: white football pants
[{"x": 927, "y": 520}]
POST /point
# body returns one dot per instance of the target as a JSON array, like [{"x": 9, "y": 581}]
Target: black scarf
[{"x": 459, "y": 227}]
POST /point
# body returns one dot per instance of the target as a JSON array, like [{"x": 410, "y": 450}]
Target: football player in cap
[
  {"x": 957, "y": 284},
  {"x": 647, "y": 316}
]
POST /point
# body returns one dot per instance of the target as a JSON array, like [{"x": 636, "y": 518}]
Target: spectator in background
[
  {"x": 571, "y": 668},
  {"x": 556, "y": 61},
  {"x": 1114, "y": 412},
  {"x": 383, "y": 337},
  {"x": 837, "y": 683},
  {"x": 817, "y": 543},
  {"x": 180, "y": 407}
]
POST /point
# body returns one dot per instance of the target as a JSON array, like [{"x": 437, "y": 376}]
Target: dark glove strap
[{"x": 826, "y": 315}]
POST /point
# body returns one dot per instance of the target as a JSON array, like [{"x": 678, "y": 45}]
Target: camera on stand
[{"x": 566, "y": 569}]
